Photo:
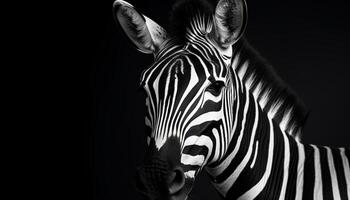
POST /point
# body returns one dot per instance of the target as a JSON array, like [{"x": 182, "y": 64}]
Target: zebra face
[
  {"x": 184, "y": 96},
  {"x": 184, "y": 110},
  {"x": 185, "y": 89}
]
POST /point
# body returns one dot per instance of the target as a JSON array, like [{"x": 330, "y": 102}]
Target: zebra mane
[
  {"x": 189, "y": 14},
  {"x": 274, "y": 96}
]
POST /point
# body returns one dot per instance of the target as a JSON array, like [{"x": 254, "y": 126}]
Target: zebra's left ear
[
  {"x": 144, "y": 33},
  {"x": 230, "y": 21}
]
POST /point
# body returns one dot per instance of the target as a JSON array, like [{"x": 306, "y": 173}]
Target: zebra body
[{"x": 208, "y": 107}]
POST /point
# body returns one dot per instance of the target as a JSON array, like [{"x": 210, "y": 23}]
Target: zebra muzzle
[
  {"x": 161, "y": 176},
  {"x": 151, "y": 179}
]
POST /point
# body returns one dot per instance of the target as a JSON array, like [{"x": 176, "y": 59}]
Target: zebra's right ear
[{"x": 144, "y": 33}]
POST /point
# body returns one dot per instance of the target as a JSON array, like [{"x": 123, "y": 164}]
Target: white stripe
[
  {"x": 318, "y": 176},
  {"x": 166, "y": 122},
  {"x": 264, "y": 98},
  {"x": 217, "y": 144},
  {"x": 190, "y": 174},
  {"x": 238, "y": 103},
  {"x": 234, "y": 64},
  {"x": 243, "y": 70},
  {"x": 223, "y": 143},
  {"x": 346, "y": 170},
  {"x": 286, "y": 119},
  {"x": 250, "y": 81},
  {"x": 285, "y": 166},
  {"x": 148, "y": 122},
  {"x": 300, "y": 177},
  {"x": 197, "y": 140},
  {"x": 335, "y": 187},
  {"x": 167, "y": 82},
  {"x": 256, "y": 189},
  {"x": 173, "y": 117},
  {"x": 187, "y": 159},
  {"x": 257, "y": 90},
  {"x": 255, "y": 154},
  {"x": 159, "y": 136},
  {"x": 210, "y": 97}
]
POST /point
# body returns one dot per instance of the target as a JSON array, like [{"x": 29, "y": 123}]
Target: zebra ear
[
  {"x": 144, "y": 33},
  {"x": 230, "y": 21}
]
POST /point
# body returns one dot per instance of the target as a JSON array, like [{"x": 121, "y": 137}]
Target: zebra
[{"x": 212, "y": 104}]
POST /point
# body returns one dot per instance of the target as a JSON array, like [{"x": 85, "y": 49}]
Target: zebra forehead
[{"x": 180, "y": 67}]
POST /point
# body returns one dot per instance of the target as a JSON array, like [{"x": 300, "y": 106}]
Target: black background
[{"x": 306, "y": 41}]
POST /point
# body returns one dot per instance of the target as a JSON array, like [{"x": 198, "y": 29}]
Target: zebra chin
[{"x": 162, "y": 175}]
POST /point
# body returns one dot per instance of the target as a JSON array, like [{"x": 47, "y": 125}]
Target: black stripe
[
  {"x": 309, "y": 173},
  {"x": 194, "y": 150},
  {"x": 293, "y": 169},
  {"x": 339, "y": 169},
  {"x": 190, "y": 167},
  {"x": 326, "y": 177}
]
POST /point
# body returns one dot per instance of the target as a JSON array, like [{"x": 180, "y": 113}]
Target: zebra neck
[
  {"x": 256, "y": 142},
  {"x": 256, "y": 151},
  {"x": 264, "y": 162}
]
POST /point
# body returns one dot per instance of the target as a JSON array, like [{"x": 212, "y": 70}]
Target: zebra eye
[{"x": 215, "y": 87}]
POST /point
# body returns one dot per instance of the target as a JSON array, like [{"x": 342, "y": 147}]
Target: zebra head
[{"x": 188, "y": 87}]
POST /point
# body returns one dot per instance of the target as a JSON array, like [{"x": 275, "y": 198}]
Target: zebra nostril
[
  {"x": 176, "y": 180},
  {"x": 151, "y": 181}
]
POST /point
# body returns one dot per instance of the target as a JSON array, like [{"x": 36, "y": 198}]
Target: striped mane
[{"x": 274, "y": 96}]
